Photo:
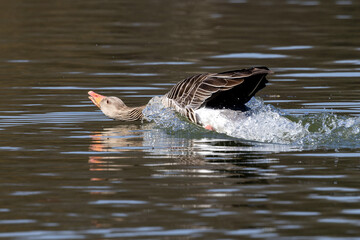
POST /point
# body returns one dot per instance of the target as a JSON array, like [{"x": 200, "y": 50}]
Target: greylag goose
[{"x": 225, "y": 90}]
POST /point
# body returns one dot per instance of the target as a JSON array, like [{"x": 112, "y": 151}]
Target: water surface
[{"x": 68, "y": 172}]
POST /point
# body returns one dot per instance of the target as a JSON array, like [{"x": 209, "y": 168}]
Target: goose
[{"x": 225, "y": 90}]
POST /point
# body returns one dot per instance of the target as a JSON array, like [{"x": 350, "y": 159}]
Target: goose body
[{"x": 226, "y": 90}]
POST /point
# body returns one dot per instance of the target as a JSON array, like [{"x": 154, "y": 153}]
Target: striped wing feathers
[
  {"x": 193, "y": 92},
  {"x": 230, "y": 90}
]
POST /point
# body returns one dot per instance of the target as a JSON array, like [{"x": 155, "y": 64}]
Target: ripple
[
  {"x": 335, "y": 155},
  {"x": 353, "y": 61},
  {"x": 316, "y": 176},
  {"x": 336, "y": 189},
  {"x": 41, "y": 234},
  {"x": 253, "y": 232},
  {"x": 333, "y": 104},
  {"x": 340, "y": 221},
  {"x": 8, "y": 148},
  {"x": 351, "y": 211},
  {"x": 124, "y": 74},
  {"x": 343, "y": 17},
  {"x": 321, "y": 74},
  {"x": 16, "y": 221},
  {"x": 296, "y": 47},
  {"x": 18, "y": 61},
  {"x": 161, "y": 63},
  {"x": 86, "y": 187},
  {"x": 317, "y": 87},
  {"x": 153, "y": 231},
  {"x": 121, "y": 202},
  {"x": 286, "y": 69},
  {"x": 72, "y": 73},
  {"x": 299, "y": 213},
  {"x": 51, "y": 117},
  {"x": 345, "y": 199},
  {"x": 211, "y": 212},
  {"x": 228, "y": 190},
  {"x": 303, "y": 3},
  {"x": 26, "y": 193},
  {"x": 251, "y": 55}
]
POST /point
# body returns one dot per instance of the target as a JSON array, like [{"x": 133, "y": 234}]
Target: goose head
[{"x": 115, "y": 108}]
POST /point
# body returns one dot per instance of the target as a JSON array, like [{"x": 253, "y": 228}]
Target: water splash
[
  {"x": 265, "y": 123},
  {"x": 331, "y": 130},
  {"x": 168, "y": 119}
]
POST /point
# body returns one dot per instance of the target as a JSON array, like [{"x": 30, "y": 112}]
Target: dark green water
[{"x": 67, "y": 172}]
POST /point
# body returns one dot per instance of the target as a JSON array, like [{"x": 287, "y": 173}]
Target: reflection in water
[
  {"x": 164, "y": 143},
  {"x": 119, "y": 139},
  {"x": 213, "y": 157}
]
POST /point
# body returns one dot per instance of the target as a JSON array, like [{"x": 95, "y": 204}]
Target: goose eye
[{"x": 107, "y": 101}]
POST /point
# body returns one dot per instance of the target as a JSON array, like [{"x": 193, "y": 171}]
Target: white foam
[{"x": 263, "y": 123}]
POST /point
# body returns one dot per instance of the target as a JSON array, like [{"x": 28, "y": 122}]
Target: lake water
[{"x": 68, "y": 172}]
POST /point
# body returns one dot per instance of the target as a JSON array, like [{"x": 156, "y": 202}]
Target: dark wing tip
[{"x": 250, "y": 71}]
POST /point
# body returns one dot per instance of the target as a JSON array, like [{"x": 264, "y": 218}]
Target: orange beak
[{"x": 95, "y": 98}]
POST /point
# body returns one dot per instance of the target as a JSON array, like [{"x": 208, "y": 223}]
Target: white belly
[{"x": 219, "y": 120}]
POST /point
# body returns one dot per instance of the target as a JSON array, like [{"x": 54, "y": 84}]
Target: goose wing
[{"x": 230, "y": 89}]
